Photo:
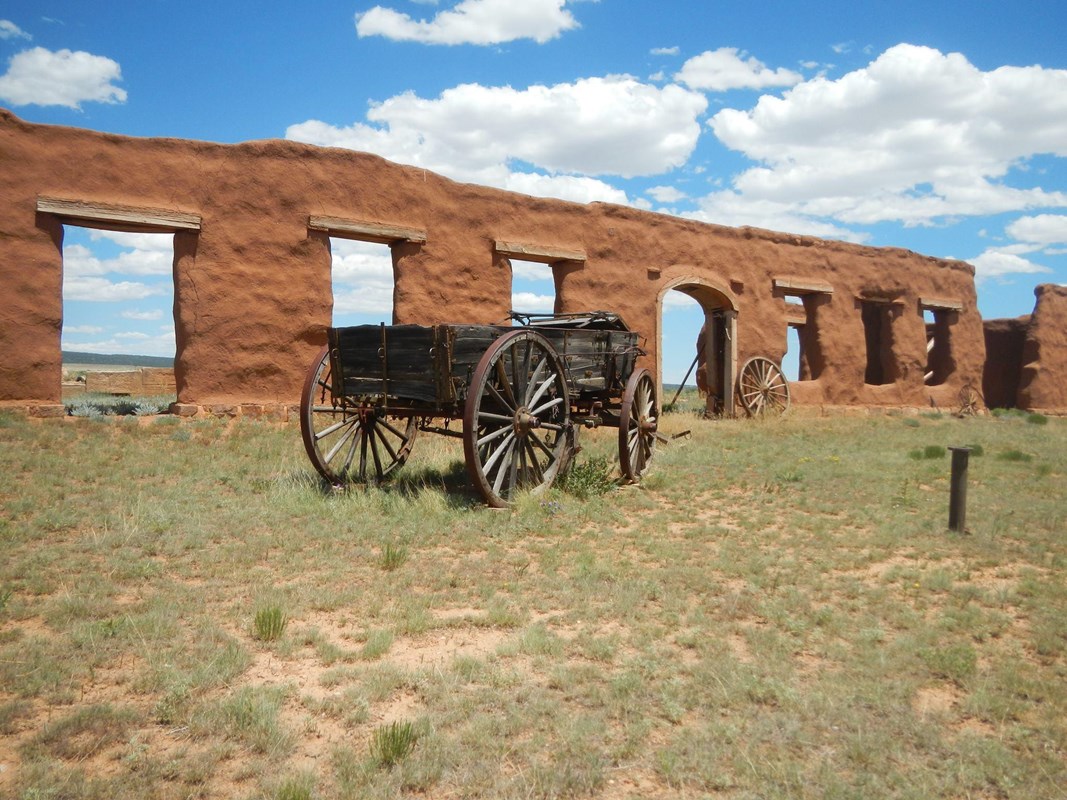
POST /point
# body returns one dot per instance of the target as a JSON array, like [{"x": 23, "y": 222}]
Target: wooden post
[{"x": 957, "y": 503}]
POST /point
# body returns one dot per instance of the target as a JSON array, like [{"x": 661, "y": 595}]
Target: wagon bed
[{"x": 521, "y": 392}]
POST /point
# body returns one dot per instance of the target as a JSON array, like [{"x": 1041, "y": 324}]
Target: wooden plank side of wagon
[
  {"x": 466, "y": 346},
  {"x": 594, "y": 360},
  {"x": 394, "y": 360}
]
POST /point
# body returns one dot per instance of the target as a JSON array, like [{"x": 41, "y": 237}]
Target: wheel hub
[{"x": 525, "y": 422}]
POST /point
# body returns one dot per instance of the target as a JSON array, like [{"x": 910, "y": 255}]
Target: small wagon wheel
[
  {"x": 516, "y": 422},
  {"x": 970, "y": 401},
  {"x": 762, "y": 388},
  {"x": 349, "y": 443},
  {"x": 637, "y": 425}
]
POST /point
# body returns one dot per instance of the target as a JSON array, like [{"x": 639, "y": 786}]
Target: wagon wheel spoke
[
  {"x": 533, "y": 395},
  {"x": 483, "y": 415},
  {"x": 494, "y": 435},
  {"x": 504, "y": 466},
  {"x": 504, "y": 383},
  {"x": 517, "y": 418},
  {"x": 762, "y": 388},
  {"x": 337, "y": 431},
  {"x": 638, "y": 423},
  {"x": 385, "y": 440}
]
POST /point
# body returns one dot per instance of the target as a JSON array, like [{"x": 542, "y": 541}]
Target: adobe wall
[
  {"x": 1043, "y": 374},
  {"x": 253, "y": 293}
]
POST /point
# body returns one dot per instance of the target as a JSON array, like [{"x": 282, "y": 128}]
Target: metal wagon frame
[{"x": 522, "y": 392}]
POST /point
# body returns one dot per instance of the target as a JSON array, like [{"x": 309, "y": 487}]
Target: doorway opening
[
  {"x": 118, "y": 340},
  {"x": 697, "y": 335},
  {"x": 878, "y": 337},
  {"x": 363, "y": 282}
]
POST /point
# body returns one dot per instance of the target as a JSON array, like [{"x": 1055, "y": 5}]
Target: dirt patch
[
  {"x": 439, "y": 648},
  {"x": 935, "y": 700}
]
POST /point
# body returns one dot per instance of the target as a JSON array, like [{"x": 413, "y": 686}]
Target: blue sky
[{"x": 936, "y": 126}]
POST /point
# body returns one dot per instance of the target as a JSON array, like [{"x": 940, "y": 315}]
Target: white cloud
[
  {"x": 675, "y": 300},
  {"x": 728, "y": 68},
  {"x": 131, "y": 342},
  {"x": 142, "y": 315},
  {"x": 916, "y": 136},
  {"x": 63, "y": 78},
  {"x": 665, "y": 51},
  {"x": 79, "y": 260},
  {"x": 481, "y": 22},
  {"x": 732, "y": 208},
  {"x": 83, "y": 329},
  {"x": 155, "y": 242},
  {"x": 666, "y": 194},
  {"x": 1043, "y": 229},
  {"x": 362, "y": 278},
  {"x": 9, "y": 30},
  {"x": 531, "y": 303},
  {"x": 996, "y": 263},
  {"x": 611, "y": 125},
  {"x": 563, "y": 187},
  {"x": 530, "y": 270},
  {"x": 101, "y": 290}
]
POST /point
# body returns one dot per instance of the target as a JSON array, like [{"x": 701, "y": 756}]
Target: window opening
[
  {"x": 118, "y": 320},
  {"x": 362, "y": 277},
  {"x": 878, "y": 337},
  {"x": 939, "y": 361},
  {"x": 533, "y": 287},
  {"x": 793, "y": 357},
  {"x": 803, "y": 358}
]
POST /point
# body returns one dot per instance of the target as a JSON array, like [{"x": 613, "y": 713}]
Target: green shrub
[
  {"x": 391, "y": 744},
  {"x": 1037, "y": 419},
  {"x": 393, "y": 556},
  {"x": 956, "y": 662},
  {"x": 587, "y": 479},
  {"x": 1015, "y": 455},
  {"x": 269, "y": 623}
]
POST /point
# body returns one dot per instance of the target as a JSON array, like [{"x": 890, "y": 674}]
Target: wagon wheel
[
  {"x": 516, "y": 423},
  {"x": 762, "y": 388},
  {"x": 349, "y": 443},
  {"x": 970, "y": 401},
  {"x": 637, "y": 425}
]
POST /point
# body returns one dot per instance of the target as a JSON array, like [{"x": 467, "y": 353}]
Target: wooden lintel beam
[
  {"x": 532, "y": 252},
  {"x": 802, "y": 286},
  {"x": 116, "y": 217},
  {"x": 940, "y": 304},
  {"x": 365, "y": 231}
]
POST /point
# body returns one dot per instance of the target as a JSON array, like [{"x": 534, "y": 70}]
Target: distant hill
[{"x": 71, "y": 357}]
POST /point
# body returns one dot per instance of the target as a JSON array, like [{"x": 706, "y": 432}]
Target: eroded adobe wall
[
  {"x": 1043, "y": 376},
  {"x": 252, "y": 286}
]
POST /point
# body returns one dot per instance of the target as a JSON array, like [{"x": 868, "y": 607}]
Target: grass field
[{"x": 778, "y": 611}]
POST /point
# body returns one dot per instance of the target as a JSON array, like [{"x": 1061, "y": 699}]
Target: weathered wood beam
[
  {"x": 795, "y": 286},
  {"x": 116, "y": 217},
  {"x": 532, "y": 252},
  {"x": 940, "y": 304},
  {"x": 365, "y": 231}
]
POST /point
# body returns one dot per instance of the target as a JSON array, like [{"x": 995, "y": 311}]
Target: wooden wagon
[{"x": 522, "y": 392}]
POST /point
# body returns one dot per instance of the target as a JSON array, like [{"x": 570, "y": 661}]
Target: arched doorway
[{"x": 718, "y": 339}]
